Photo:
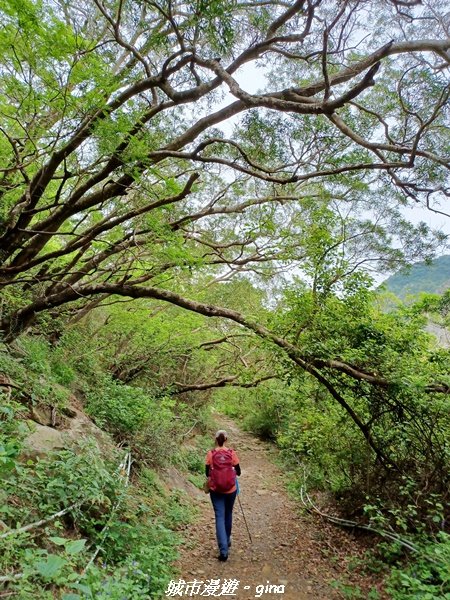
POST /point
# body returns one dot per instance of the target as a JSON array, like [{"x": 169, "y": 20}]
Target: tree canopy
[{"x": 116, "y": 167}]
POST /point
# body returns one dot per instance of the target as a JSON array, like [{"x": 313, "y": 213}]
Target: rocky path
[{"x": 290, "y": 557}]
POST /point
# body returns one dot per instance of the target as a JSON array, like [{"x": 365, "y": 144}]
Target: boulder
[
  {"x": 81, "y": 427},
  {"x": 45, "y": 438}
]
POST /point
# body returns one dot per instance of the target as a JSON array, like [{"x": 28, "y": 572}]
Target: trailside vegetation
[
  {"x": 96, "y": 517},
  {"x": 168, "y": 228}
]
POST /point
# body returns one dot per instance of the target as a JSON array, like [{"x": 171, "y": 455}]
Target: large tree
[{"x": 114, "y": 169}]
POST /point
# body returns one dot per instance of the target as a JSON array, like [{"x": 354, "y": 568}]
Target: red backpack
[{"x": 222, "y": 476}]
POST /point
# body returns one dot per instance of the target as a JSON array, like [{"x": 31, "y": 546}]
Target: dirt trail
[{"x": 287, "y": 548}]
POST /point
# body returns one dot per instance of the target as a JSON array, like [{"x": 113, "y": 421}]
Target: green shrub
[
  {"x": 118, "y": 408},
  {"x": 39, "y": 371},
  {"x": 40, "y": 488},
  {"x": 260, "y": 410},
  {"x": 12, "y": 434},
  {"x": 427, "y": 576},
  {"x": 194, "y": 461},
  {"x": 132, "y": 415},
  {"x": 132, "y": 528}
]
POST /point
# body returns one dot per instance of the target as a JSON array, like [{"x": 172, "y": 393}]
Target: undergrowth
[
  {"x": 112, "y": 540},
  {"x": 134, "y": 527}
]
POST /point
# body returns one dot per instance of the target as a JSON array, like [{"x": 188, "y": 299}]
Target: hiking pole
[{"x": 242, "y": 510}]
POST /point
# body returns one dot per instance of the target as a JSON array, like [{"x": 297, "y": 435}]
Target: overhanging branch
[
  {"x": 230, "y": 381},
  {"x": 13, "y": 325}
]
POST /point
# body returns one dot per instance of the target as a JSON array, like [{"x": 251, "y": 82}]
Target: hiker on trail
[{"x": 222, "y": 467}]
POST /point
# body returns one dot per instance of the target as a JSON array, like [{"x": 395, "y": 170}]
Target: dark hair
[{"x": 221, "y": 439}]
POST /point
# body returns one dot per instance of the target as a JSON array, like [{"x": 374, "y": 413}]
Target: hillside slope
[{"x": 433, "y": 278}]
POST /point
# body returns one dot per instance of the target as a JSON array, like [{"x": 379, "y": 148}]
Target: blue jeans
[{"x": 223, "y": 509}]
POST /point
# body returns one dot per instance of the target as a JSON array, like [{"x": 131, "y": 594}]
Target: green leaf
[
  {"x": 58, "y": 540},
  {"x": 75, "y": 546},
  {"x": 51, "y": 567},
  {"x": 85, "y": 589}
]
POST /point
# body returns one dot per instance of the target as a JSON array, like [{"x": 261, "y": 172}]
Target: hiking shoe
[{"x": 222, "y": 557}]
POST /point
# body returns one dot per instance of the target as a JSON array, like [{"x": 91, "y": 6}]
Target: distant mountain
[{"x": 433, "y": 278}]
